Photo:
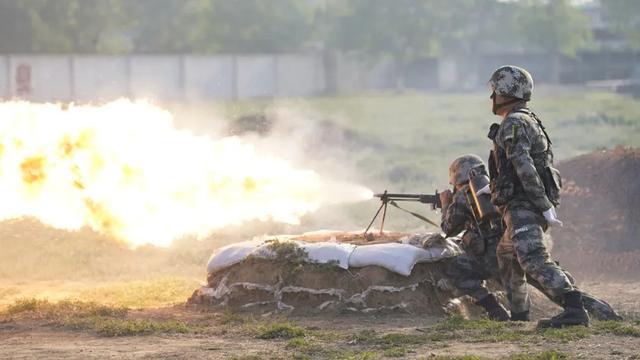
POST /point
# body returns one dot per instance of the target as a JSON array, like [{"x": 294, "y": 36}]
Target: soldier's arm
[
  {"x": 517, "y": 145},
  {"x": 454, "y": 217}
]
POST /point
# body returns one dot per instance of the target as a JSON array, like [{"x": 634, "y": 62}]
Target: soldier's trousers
[
  {"x": 522, "y": 254},
  {"x": 469, "y": 271}
]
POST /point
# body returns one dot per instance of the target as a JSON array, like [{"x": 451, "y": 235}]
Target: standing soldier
[{"x": 526, "y": 188}]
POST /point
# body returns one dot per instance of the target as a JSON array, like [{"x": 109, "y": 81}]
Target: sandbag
[
  {"x": 319, "y": 252},
  {"x": 231, "y": 254},
  {"x": 396, "y": 257},
  {"x": 326, "y": 252},
  {"x": 399, "y": 258}
]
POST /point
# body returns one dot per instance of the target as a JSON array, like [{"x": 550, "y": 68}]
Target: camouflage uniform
[
  {"x": 526, "y": 187},
  {"x": 518, "y": 190},
  {"x": 480, "y": 262},
  {"x": 469, "y": 271}
]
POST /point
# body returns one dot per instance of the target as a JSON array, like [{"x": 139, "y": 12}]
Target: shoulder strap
[
  {"x": 533, "y": 115},
  {"x": 537, "y": 119},
  {"x": 493, "y": 131}
]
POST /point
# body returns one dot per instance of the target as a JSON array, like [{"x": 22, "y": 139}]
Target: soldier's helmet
[
  {"x": 512, "y": 81},
  {"x": 460, "y": 167}
]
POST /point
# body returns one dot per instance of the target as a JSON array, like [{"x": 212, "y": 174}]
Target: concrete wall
[
  {"x": 299, "y": 75},
  {"x": 256, "y": 76},
  {"x": 225, "y": 77},
  {"x": 158, "y": 77},
  {"x": 5, "y": 82},
  {"x": 100, "y": 78},
  {"x": 44, "y": 78},
  {"x": 171, "y": 77},
  {"x": 207, "y": 77}
]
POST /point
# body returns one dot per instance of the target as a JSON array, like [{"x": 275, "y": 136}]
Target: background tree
[
  {"x": 15, "y": 27},
  {"x": 623, "y": 15},
  {"x": 403, "y": 29},
  {"x": 80, "y": 26},
  {"x": 554, "y": 26}
]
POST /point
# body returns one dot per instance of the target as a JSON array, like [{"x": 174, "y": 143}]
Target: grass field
[
  {"x": 405, "y": 143},
  {"x": 425, "y": 132}
]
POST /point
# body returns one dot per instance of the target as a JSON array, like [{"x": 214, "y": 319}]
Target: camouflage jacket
[
  {"x": 457, "y": 217},
  {"x": 522, "y": 147}
]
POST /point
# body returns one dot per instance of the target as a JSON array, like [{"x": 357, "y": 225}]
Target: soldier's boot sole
[{"x": 577, "y": 317}]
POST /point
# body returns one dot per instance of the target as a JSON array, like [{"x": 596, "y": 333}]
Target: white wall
[
  {"x": 208, "y": 77},
  {"x": 100, "y": 78},
  {"x": 256, "y": 76},
  {"x": 299, "y": 75},
  {"x": 97, "y": 78},
  {"x": 156, "y": 77},
  {"x": 5, "y": 82},
  {"x": 50, "y": 77}
]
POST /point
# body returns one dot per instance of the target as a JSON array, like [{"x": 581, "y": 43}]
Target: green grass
[
  {"x": 119, "y": 327},
  {"x": 567, "y": 334},
  {"x": 234, "y": 318},
  {"x": 104, "y": 320},
  {"x": 395, "y": 351},
  {"x": 443, "y": 124},
  {"x": 545, "y": 355},
  {"x": 280, "y": 331},
  {"x": 617, "y": 328},
  {"x": 351, "y": 355},
  {"x": 158, "y": 292},
  {"x": 405, "y": 143},
  {"x": 42, "y": 308}
]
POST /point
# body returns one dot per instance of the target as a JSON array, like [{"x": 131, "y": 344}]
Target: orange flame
[{"x": 124, "y": 170}]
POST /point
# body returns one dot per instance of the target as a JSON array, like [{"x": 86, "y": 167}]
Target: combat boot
[
  {"x": 599, "y": 309},
  {"x": 520, "y": 316},
  {"x": 573, "y": 314},
  {"x": 495, "y": 311}
]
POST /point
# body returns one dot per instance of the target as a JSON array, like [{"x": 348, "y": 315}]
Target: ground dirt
[{"x": 219, "y": 335}]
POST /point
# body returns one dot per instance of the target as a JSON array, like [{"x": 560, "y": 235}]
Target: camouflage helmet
[
  {"x": 460, "y": 167},
  {"x": 512, "y": 81}
]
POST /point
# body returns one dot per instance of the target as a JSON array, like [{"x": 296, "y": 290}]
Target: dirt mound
[
  {"x": 601, "y": 212},
  {"x": 260, "y": 285},
  {"x": 290, "y": 282}
]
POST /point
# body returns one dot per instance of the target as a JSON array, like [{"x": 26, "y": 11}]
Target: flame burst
[{"x": 124, "y": 170}]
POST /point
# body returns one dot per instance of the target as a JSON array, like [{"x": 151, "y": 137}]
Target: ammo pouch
[
  {"x": 552, "y": 181},
  {"x": 502, "y": 191}
]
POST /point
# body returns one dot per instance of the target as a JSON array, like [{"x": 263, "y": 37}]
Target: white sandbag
[
  {"x": 319, "y": 252},
  {"x": 231, "y": 254},
  {"x": 399, "y": 258},
  {"x": 325, "y": 252}
]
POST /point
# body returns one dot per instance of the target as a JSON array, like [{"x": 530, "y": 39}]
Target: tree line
[{"x": 403, "y": 29}]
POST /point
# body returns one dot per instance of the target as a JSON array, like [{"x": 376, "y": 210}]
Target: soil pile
[
  {"x": 601, "y": 213},
  {"x": 291, "y": 284}
]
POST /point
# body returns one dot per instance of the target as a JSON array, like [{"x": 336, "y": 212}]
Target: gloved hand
[
  {"x": 551, "y": 217},
  {"x": 445, "y": 198},
  {"x": 484, "y": 190}
]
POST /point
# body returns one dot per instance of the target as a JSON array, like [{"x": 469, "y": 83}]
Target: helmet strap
[{"x": 497, "y": 106}]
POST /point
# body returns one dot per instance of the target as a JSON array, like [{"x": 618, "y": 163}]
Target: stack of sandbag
[
  {"x": 287, "y": 274},
  {"x": 399, "y": 257}
]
